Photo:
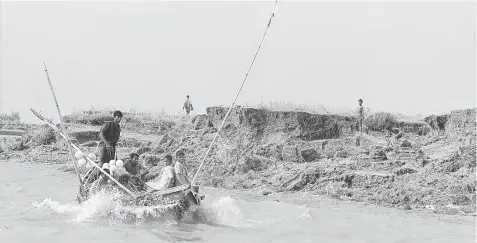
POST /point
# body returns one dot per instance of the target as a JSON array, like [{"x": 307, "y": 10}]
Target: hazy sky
[{"x": 406, "y": 57}]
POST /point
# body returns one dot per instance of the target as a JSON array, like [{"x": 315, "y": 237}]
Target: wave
[{"x": 106, "y": 206}]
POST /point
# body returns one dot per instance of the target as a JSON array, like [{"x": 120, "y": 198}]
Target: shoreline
[
  {"x": 271, "y": 152},
  {"x": 306, "y": 198}
]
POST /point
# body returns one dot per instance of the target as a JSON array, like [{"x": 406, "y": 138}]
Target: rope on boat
[{"x": 235, "y": 99}]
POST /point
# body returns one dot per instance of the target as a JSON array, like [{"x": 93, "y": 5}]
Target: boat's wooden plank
[{"x": 168, "y": 190}]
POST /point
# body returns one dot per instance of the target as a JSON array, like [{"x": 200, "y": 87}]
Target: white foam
[
  {"x": 103, "y": 205},
  {"x": 306, "y": 214},
  {"x": 226, "y": 212}
]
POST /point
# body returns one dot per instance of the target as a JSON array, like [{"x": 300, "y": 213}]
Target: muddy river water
[{"x": 37, "y": 205}]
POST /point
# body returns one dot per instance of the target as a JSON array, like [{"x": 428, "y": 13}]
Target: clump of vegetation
[
  {"x": 133, "y": 120},
  {"x": 380, "y": 121},
  {"x": 44, "y": 135},
  {"x": 14, "y": 117},
  {"x": 89, "y": 117}
]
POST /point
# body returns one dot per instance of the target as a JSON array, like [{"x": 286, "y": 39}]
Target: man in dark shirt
[
  {"x": 109, "y": 135},
  {"x": 132, "y": 165},
  {"x": 136, "y": 170}
]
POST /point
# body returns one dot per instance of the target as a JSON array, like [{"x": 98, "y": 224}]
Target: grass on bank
[
  {"x": 313, "y": 109},
  {"x": 133, "y": 120},
  {"x": 13, "y": 117},
  {"x": 156, "y": 121}
]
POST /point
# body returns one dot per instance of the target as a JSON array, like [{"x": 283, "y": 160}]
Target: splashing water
[
  {"x": 223, "y": 211},
  {"x": 104, "y": 205},
  {"x": 306, "y": 214}
]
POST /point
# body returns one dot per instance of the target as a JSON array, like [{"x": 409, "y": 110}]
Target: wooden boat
[
  {"x": 178, "y": 199},
  {"x": 175, "y": 200}
]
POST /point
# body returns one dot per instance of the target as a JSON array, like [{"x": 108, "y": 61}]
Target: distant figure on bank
[
  {"x": 167, "y": 177},
  {"x": 181, "y": 169},
  {"x": 188, "y": 106},
  {"x": 360, "y": 115}
]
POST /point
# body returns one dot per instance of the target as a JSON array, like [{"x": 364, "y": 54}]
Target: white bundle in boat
[
  {"x": 79, "y": 154},
  {"x": 82, "y": 162},
  {"x": 120, "y": 163},
  {"x": 113, "y": 168},
  {"x": 89, "y": 165}
]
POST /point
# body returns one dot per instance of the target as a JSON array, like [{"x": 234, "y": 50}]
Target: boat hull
[{"x": 174, "y": 201}]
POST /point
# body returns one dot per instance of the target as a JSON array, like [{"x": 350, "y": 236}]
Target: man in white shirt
[{"x": 167, "y": 176}]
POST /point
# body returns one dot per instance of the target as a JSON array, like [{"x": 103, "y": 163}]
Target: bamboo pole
[
  {"x": 64, "y": 130},
  {"x": 236, "y": 96}
]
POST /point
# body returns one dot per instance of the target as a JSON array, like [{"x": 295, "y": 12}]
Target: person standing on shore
[
  {"x": 360, "y": 121},
  {"x": 360, "y": 115},
  {"x": 188, "y": 106}
]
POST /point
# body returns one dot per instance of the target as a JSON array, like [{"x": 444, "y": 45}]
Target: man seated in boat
[
  {"x": 101, "y": 183},
  {"x": 136, "y": 170},
  {"x": 180, "y": 169},
  {"x": 166, "y": 178}
]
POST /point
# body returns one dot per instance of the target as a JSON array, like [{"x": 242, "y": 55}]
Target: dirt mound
[{"x": 301, "y": 125}]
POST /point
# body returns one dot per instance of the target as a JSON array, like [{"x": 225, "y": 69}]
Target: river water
[{"x": 37, "y": 205}]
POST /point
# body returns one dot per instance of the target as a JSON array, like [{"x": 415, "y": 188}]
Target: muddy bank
[{"x": 431, "y": 166}]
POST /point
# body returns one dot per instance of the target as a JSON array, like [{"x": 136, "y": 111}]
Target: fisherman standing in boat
[
  {"x": 181, "y": 169},
  {"x": 109, "y": 135}
]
